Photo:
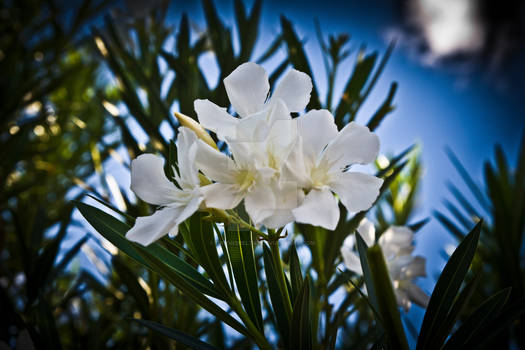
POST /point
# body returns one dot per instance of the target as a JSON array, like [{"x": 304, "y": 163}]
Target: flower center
[
  {"x": 320, "y": 176},
  {"x": 245, "y": 179}
]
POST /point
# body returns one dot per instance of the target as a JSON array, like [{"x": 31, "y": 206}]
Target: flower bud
[{"x": 188, "y": 122}]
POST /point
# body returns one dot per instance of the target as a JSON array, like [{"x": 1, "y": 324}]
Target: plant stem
[{"x": 274, "y": 247}]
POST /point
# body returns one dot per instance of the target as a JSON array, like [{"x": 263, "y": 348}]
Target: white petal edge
[
  {"x": 294, "y": 89},
  {"x": 357, "y": 191},
  {"x": 354, "y": 144},
  {"x": 367, "y": 231},
  {"x": 149, "y": 182},
  {"x": 247, "y": 88},
  {"x": 317, "y": 129},
  {"x": 221, "y": 196},
  {"x": 351, "y": 260},
  {"x": 186, "y": 152},
  {"x": 319, "y": 208},
  {"x": 148, "y": 229},
  {"x": 215, "y": 164},
  {"x": 215, "y": 118}
]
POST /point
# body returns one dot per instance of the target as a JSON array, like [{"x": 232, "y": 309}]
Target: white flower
[
  {"x": 150, "y": 184},
  {"x": 244, "y": 177},
  {"x": 319, "y": 163},
  {"x": 247, "y": 88},
  {"x": 260, "y": 142},
  {"x": 397, "y": 246}
]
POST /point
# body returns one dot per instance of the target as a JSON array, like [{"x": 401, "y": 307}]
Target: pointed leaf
[
  {"x": 277, "y": 299},
  {"x": 296, "y": 276},
  {"x": 488, "y": 310},
  {"x": 240, "y": 248},
  {"x": 300, "y": 331},
  {"x": 176, "y": 335},
  {"x": 447, "y": 288}
]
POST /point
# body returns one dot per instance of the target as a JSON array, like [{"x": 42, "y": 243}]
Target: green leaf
[
  {"x": 362, "y": 248},
  {"x": 354, "y": 85},
  {"x": 447, "y": 288},
  {"x": 240, "y": 248},
  {"x": 300, "y": 328},
  {"x": 176, "y": 335},
  {"x": 459, "y": 305},
  {"x": 384, "y": 109},
  {"x": 449, "y": 225},
  {"x": 468, "y": 179},
  {"x": 201, "y": 241},
  {"x": 488, "y": 310},
  {"x": 496, "y": 325},
  {"x": 115, "y": 230},
  {"x": 277, "y": 299},
  {"x": 296, "y": 276},
  {"x": 191, "y": 292},
  {"x": 386, "y": 300}
]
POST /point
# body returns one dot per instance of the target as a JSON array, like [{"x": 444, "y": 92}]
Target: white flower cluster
[
  {"x": 397, "y": 246},
  {"x": 285, "y": 169}
]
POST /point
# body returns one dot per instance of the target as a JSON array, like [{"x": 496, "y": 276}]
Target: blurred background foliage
[{"x": 80, "y": 85}]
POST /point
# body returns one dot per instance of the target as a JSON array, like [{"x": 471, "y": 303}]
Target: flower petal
[
  {"x": 259, "y": 203},
  {"x": 148, "y": 229},
  {"x": 416, "y": 268},
  {"x": 402, "y": 299},
  {"x": 396, "y": 240},
  {"x": 221, "y": 196},
  {"x": 215, "y": 164},
  {"x": 357, "y": 191},
  {"x": 294, "y": 90},
  {"x": 367, "y": 231},
  {"x": 186, "y": 152},
  {"x": 317, "y": 129},
  {"x": 417, "y": 295},
  {"x": 247, "y": 88},
  {"x": 149, "y": 182},
  {"x": 353, "y": 144},
  {"x": 319, "y": 208},
  {"x": 271, "y": 204},
  {"x": 215, "y": 118},
  {"x": 351, "y": 260}
]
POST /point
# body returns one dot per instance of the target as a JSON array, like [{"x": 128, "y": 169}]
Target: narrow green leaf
[
  {"x": 459, "y": 305},
  {"x": 191, "y": 292},
  {"x": 415, "y": 227},
  {"x": 488, "y": 310},
  {"x": 449, "y": 225},
  {"x": 362, "y": 248},
  {"x": 385, "y": 108},
  {"x": 468, "y": 179},
  {"x": 115, "y": 230},
  {"x": 386, "y": 300},
  {"x": 496, "y": 325},
  {"x": 277, "y": 299},
  {"x": 178, "y": 336},
  {"x": 240, "y": 248},
  {"x": 447, "y": 288},
  {"x": 300, "y": 328},
  {"x": 296, "y": 276},
  {"x": 200, "y": 238},
  {"x": 353, "y": 87}
]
